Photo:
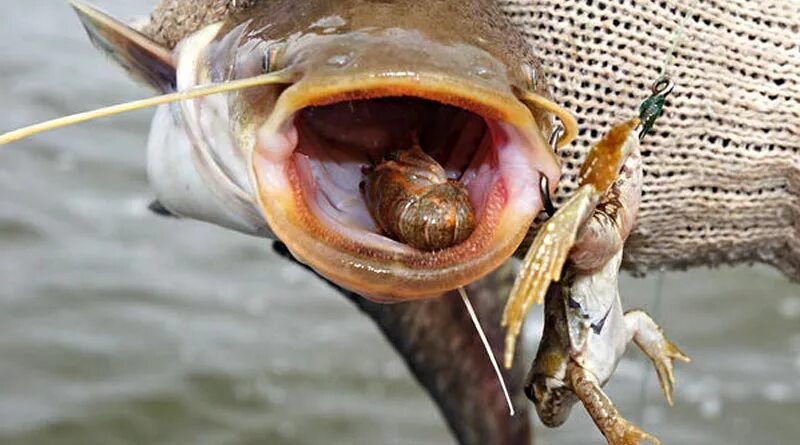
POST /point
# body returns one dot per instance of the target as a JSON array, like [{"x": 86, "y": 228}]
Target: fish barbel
[{"x": 340, "y": 83}]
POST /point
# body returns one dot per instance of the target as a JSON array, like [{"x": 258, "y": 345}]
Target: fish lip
[
  {"x": 472, "y": 96},
  {"x": 385, "y": 270}
]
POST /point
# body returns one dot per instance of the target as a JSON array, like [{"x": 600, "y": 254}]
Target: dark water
[{"x": 117, "y": 327}]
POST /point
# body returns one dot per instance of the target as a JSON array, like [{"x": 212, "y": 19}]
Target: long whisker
[
  {"x": 568, "y": 121},
  {"x": 190, "y": 93},
  {"x": 488, "y": 348}
]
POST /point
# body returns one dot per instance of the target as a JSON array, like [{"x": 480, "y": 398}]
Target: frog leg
[
  {"x": 544, "y": 262},
  {"x": 654, "y": 343},
  {"x": 545, "y": 259},
  {"x": 616, "y": 429}
]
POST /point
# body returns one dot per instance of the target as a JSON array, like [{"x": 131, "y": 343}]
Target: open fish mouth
[
  {"x": 339, "y": 105},
  {"x": 337, "y": 143},
  {"x": 309, "y": 163},
  {"x": 309, "y": 112}
]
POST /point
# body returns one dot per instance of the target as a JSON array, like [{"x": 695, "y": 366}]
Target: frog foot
[
  {"x": 654, "y": 343},
  {"x": 626, "y": 433},
  {"x": 616, "y": 429}
]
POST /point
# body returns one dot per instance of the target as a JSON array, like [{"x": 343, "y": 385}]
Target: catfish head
[{"x": 348, "y": 81}]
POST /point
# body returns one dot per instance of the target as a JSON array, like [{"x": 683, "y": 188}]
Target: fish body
[
  {"x": 286, "y": 160},
  {"x": 357, "y": 74}
]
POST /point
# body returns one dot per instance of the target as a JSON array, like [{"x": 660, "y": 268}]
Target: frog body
[{"x": 586, "y": 331}]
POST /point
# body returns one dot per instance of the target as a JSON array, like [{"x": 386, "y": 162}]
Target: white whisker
[
  {"x": 190, "y": 93},
  {"x": 488, "y": 347}
]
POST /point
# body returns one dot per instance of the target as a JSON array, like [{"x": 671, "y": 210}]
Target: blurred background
[{"x": 119, "y": 327}]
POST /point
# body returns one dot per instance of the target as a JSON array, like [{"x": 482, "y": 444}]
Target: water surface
[{"x": 119, "y": 327}]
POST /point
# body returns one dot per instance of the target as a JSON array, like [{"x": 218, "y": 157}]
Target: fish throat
[{"x": 406, "y": 168}]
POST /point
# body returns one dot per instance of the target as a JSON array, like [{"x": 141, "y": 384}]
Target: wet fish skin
[{"x": 441, "y": 348}]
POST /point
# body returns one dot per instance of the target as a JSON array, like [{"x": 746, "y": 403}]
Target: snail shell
[{"x": 413, "y": 201}]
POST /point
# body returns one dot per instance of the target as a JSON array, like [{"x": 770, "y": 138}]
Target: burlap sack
[{"x": 722, "y": 168}]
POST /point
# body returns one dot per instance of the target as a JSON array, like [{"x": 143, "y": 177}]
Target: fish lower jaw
[{"x": 382, "y": 269}]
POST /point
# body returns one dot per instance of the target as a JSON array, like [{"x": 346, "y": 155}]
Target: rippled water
[{"x": 118, "y": 327}]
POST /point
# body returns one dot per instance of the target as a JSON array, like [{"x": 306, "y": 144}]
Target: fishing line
[
  {"x": 488, "y": 348},
  {"x": 676, "y": 40},
  {"x": 188, "y": 94}
]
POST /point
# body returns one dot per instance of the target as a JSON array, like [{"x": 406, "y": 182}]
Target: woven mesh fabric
[{"x": 722, "y": 167}]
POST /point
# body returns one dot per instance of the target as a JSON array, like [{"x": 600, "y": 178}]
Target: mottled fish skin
[
  {"x": 505, "y": 62},
  {"x": 477, "y": 23},
  {"x": 441, "y": 348}
]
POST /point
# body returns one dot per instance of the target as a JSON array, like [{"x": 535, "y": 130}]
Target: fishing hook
[
  {"x": 544, "y": 182},
  {"x": 650, "y": 110},
  {"x": 663, "y": 86},
  {"x": 652, "y": 107}
]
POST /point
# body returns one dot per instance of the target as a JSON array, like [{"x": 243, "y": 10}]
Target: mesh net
[{"x": 722, "y": 166}]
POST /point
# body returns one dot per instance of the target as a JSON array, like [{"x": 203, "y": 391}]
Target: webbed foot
[
  {"x": 616, "y": 429},
  {"x": 626, "y": 433},
  {"x": 654, "y": 343}
]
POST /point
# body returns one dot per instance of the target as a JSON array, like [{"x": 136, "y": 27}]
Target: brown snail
[{"x": 413, "y": 201}]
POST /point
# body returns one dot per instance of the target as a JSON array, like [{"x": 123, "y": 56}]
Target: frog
[{"x": 574, "y": 266}]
